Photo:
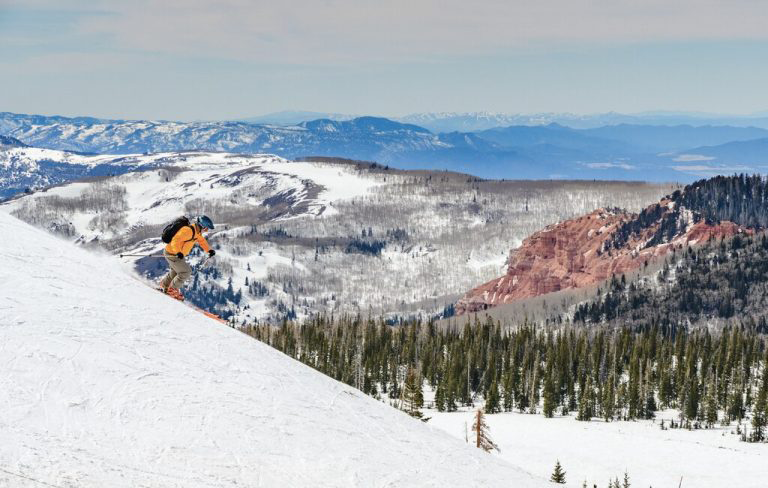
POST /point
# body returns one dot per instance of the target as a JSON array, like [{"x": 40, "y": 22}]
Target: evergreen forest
[
  {"x": 703, "y": 285},
  {"x": 593, "y": 373}
]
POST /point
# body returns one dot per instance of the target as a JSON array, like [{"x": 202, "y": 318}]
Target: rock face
[{"x": 590, "y": 249}]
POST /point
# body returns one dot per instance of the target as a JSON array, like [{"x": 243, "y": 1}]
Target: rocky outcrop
[{"x": 590, "y": 249}]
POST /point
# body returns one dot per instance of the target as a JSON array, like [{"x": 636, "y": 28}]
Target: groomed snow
[{"x": 107, "y": 383}]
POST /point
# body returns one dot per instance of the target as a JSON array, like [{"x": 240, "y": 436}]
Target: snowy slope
[
  {"x": 599, "y": 451},
  {"x": 152, "y": 197},
  {"x": 105, "y": 382},
  {"x": 23, "y": 167}
]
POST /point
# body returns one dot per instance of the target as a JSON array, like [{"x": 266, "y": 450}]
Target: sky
[{"x": 228, "y": 59}]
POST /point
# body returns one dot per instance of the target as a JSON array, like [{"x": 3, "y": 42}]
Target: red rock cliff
[{"x": 575, "y": 253}]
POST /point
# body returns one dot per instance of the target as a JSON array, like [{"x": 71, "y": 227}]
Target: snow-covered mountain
[
  {"x": 368, "y": 138},
  {"x": 300, "y": 238},
  {"x": 24, "y": 168},
  {"x": 529, "y": 151},
  {"x": 108, "y": 383}
]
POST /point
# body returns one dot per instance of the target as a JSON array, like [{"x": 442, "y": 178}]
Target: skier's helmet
[{"x": 204, "y": 221}]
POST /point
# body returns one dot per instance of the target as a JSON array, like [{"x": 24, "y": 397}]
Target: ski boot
[{"x": 174, "y": 293}]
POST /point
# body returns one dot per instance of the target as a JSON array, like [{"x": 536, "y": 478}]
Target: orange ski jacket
[{"x": 185, "y": 240}]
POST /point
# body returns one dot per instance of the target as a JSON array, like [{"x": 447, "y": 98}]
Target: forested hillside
[
  {"x": 600, "y": 373},
  {"x": 741, "y": 199},
  {"x": 697, "y": 286},
  {"x": 589, "y": 249}
]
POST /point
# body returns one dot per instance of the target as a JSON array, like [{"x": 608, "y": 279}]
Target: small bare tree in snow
[{"x": 482, "y": 438}]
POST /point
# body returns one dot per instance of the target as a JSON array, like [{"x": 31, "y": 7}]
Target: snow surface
[
  {"x": 107, "y": 383},
  {"x": 599, "y": 451}
]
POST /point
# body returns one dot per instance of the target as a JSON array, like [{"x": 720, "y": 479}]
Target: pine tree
[
  {"x": 492, "y": 402},
  {"x": 549, "y": 404},
  {"x": 666, "y": 393},
  {"x": 558, "y": 475},
  {"x": 587, "y": 402},
  {"x": 482, "y": 438},
  {"x": 760, "y": 410},
  {"x": 710, "y": 403},
  {"x": 634, "y": 401},
  {"x": 440, "y": 403},
  {"x": 413, "y": 396},
  {"x": 508, "y": 383},
  {"x": 609, "y": 400},
  {"x": 736, "y": 399},
  {"x": 625, "y": 483},
  {"x": 649, "y": 401},
  {"x": 691, "y": 407},
  {"x": 450, "y": 396}
]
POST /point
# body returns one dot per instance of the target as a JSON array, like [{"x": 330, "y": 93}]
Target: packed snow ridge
[{"x": 108, "y": 383}]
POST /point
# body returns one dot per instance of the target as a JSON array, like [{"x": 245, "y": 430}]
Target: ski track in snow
[{"x": 107, "y": 383}]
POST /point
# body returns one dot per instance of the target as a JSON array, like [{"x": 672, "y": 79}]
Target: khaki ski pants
[{"x": 179, "y": 273}]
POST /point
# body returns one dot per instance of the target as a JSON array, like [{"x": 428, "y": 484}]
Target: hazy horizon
[
  {"x": 647, "y": 113},
  {"x": 231, "y": 59}
]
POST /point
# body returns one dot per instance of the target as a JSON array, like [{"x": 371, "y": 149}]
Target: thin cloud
[
  {"x": 609, "y": 166},
  {"x": 702, "y": 171},
  {"x": 689, "y": 158},
  {"x": 341, "y": 31}
]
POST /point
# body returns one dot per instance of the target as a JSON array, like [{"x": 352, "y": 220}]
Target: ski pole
[
  {"x": 200, "y": 266},
  {"x": 143, "y": 255}
]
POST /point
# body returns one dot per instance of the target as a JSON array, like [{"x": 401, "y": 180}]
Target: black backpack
[{"x": 175, "y": 226}]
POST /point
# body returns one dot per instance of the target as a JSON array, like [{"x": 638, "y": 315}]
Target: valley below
[{"x": 325, "y": 237}]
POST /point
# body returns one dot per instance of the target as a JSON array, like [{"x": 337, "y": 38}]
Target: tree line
[
  {"x": 741, "y": 199},
  {"x": 593, "y": 373}
]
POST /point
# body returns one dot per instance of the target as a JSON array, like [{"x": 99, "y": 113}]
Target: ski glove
[
  {"x": 180, "y": 255},
  {"x": 211, "y": 253}
]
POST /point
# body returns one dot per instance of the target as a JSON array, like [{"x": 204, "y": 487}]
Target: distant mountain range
[
  {"x": 477, "y": 121},
  {"x": 737, "y": 152},
  {"x": 621, "y": 151},
  {"x": 294, "y": 117}
]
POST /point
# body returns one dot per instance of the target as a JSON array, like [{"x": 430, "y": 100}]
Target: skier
[{"x": 181, "y": 244}]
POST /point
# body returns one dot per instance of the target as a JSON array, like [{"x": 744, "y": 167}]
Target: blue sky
[{"x": 204, "y": 59}]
